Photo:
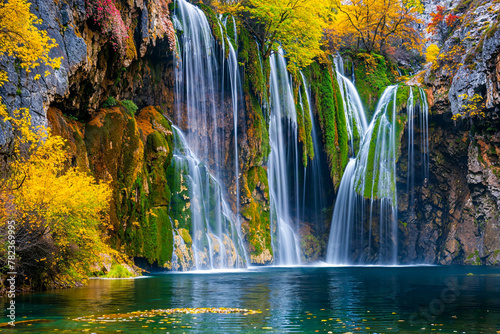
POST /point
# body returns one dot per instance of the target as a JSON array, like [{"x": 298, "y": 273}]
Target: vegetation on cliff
[
  {"x": 59, "y": 212},
  {"x": 330, "y": 110},
  {"x": 297, "y": 27},
  {"x": 376, "y": 25}
]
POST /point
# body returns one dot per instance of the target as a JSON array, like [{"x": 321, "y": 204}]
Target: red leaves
[
  {"x": 450, "y": 19},
  {"x": 438, "y": 20},
  {"x": 108, "y": 18}
]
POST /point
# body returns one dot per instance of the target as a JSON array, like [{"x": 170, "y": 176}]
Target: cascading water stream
[
  {"x": 200, "y": 81},
  {"x": 371, "y": 176},
  {"x": 424, "y": 129},
  {"x": 215, "y": 241},
  {"x": 283, "y": 178},
  {"x": 353, "y": 108},
  {"x": 422, "y": 108},
  {"x": 367, "y": 195},
  {"x": 313, "y": 197}
]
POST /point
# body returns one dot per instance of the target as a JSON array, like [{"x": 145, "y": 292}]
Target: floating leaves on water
[{"x": 141, "y": 315}]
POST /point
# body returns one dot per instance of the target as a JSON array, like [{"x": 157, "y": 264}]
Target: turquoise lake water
[{"x": 426, "y": 299}]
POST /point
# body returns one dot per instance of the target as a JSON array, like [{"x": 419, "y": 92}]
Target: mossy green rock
[
  {"x": 133, "y": 155},
  {"x": 329, "y": 107},
  {"x": 256, "y": 225}
]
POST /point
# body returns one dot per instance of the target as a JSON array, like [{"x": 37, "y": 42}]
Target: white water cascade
[
  {"x": 369, "y": 180},
  {"x": 203, "y": 75},
  {"x": 353, "y": 108},
  {"x": 367, "y": 196},
  {"x": 215, "y": 240},
  {"x": 417, "y": 109},
  {"x": 283, "y": 163},
  {"x": 313, "y": 194}
]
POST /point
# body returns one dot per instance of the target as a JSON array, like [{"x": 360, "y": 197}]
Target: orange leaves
[
  {"x": 441, "y": 24},
  {"x": 376, "y": 24}
]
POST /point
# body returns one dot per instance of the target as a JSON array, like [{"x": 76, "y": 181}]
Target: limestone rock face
[
  {"x": 90, "y": 69},
  {"x": 456, "y": 212}
]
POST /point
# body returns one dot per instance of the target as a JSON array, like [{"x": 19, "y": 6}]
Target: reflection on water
[{"x": 300, "y": 299}]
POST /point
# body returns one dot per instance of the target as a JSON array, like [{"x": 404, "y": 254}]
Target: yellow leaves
[
  {"x": 473, "y": 106},
  {"x": 449, "y": 61},
  {"x": 431, "y": 53},
  {"x": 51, "y": 198},
  {"x": 377, "y": 24},
  {"x": 369, "y": 61},
  {"x": 20, "y": 38},
  {"x": 296, "y": 26}
]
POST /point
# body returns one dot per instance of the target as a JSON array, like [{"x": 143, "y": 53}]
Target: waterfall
[
  {"x": 424, "y": 129},
  {"x": 410, "y": 177},
  {"x": 343, "y": 218},
  {"x": 313, "y": 196},
  {"x": 200, "y": 108},
  {"x": 283, "y": 163},
  {"x": 367, "y": 195},
  {"x": 422, "y": 109},
  {"x": 370, "y": 179},
  {"x": 215, "y": 239},
  {"x": 353, "y": 108}
]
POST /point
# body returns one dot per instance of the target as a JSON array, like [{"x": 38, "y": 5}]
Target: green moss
[
  {"x": 129, "y": 106},
  {"x": 256, "y": 211},
  {"x": 304, "y": 122},
  {"x": 492, "y": 30},
  {"x": 216, "y": 26},
  {"x": 110, "y": 102},
  {"x": 462, "y": 6},
  {"x": 372, "y": 77},
  {"x": 256, "y": 73},
  {"x": 255, "y": 87},
  {"x": 372, "y": 170},
  {"x": 186, "y": 237},
  {"x": 329, "y": 107},
  {"x": 141, "y": 193}
]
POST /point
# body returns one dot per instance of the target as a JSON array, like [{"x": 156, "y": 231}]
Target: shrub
[
  {"x": 110, "y": 102},
  {"x": 118, "y": 271},
  {"x": 431, "y": 53},
  {"x": 108, "y": 18},
  {"x": 130, "y": 106},
  {"x": 58, "y": 211}
]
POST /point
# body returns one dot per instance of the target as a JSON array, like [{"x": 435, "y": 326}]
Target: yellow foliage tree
[
  {"x": 295, "y": 25},
  {"x": 376, "y": 24},
  {"x": 59, "y": 211},
  {"x": 431, "y": 53}
]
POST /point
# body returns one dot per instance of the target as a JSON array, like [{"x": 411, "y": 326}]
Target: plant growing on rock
[
  {"x": 472, "y": 106},
  {"x": 108, "y": 18},
  {"x": 450, "y": 61},
  {"x": 431, "y": 53},
  {"x": 441, "y": 24},
  {"x": 20, "y": 38}
]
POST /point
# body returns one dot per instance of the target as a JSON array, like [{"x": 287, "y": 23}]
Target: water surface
[{"x": 292, "y": 300}]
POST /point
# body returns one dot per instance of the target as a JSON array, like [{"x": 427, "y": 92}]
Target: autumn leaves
[{"x": 308, "y": 29}]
